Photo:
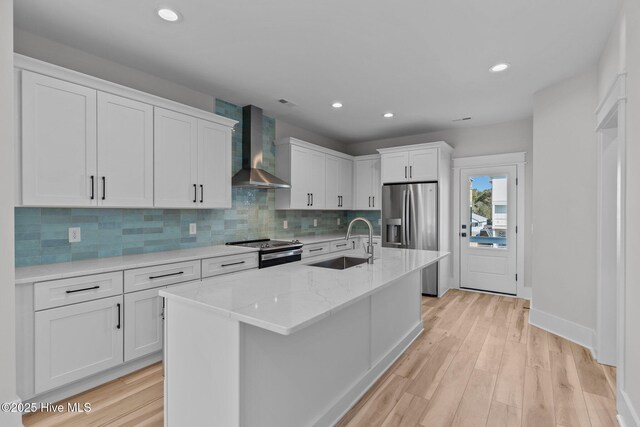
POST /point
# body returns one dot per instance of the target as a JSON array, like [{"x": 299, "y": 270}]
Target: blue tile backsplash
[{"x": 41, "y": 234}]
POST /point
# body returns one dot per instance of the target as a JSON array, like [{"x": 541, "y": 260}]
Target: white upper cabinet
[
  {"x": 58, "y": 142},
  {"x": 367, "y": 183},
  {"x": 214, "y": 165},
  {"x": 339, "y": 183},
  {"x": 304, "y": 167},
  {"x": 410, "y": 165},
  {"x": 125, "y": 152},
  {"x": 192, "y": 162},
  {"x": 175, "y": 160},
  {"x": 85, "y": 142}
]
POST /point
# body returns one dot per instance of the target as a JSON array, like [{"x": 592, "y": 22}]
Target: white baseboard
[
  {"x": 627, "y": 415},
  {"x": 565, "y": 328},
  {"x": 351, "y": 397}
]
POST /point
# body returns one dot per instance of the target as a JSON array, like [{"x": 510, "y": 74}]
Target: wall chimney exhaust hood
[{"x": 252, "y": 174}]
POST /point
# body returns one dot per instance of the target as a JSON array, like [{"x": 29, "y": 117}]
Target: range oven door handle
[{"x": 276, "y": 255}]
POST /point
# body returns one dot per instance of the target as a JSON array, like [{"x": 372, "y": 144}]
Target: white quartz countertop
[
  {"x": 287, "y": 298},
  {"x": 308, "y": 240},
  {"x": 39, "y": 273}
]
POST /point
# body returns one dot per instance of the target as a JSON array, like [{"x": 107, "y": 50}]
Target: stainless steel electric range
[{"x": 274, "y": 252}]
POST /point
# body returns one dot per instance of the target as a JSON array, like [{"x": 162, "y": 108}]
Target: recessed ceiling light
[
  {"x": 337, "y": 105},
  {"x": 388, "y": 115},
  {"x": 502, "y": 66},
  {"x": 168, "y": 14}
]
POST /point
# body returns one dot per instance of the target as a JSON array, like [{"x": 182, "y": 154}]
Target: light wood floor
[{"x": 478, "y": 363}]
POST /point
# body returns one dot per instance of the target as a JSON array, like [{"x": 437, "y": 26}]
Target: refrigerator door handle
[
  {"x": 409, "y": 204},
  {"x": 403, "y": 226}
]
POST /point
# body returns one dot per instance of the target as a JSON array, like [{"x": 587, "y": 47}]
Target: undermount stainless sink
[{"x": 340, "y": 263}]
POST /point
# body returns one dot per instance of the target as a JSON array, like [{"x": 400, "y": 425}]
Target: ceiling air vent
[
  {"x": 461, "y": 119},
  {"x": 286, "y": 102}
]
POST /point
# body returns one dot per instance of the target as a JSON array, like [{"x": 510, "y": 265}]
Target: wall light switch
[
  {"x": 285, "y": 224},
  {"x": 338, "y": 221},
  {"x": 193, "y": 228},
  {"x": 74, "y": 235},
  {"x": 315, "y": 222}
]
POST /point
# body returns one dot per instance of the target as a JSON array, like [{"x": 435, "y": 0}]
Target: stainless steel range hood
[{"x": 252, "y": 174}]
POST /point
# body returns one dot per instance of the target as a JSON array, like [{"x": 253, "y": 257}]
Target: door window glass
[{"x": 488, "y": 209}]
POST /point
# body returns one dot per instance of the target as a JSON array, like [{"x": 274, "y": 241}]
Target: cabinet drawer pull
[
  {"x": 315, "y": 250},
  {"x": 369, "y": 201},
  {"x": 374, "y": 201},
  {"x": 201, "y": 193},
  {"x": 308, "y": 199},
  {"x": 195, "y": 193},
  {"x": 118, "y": 325},
  {"x": 405, "y": 171},
  {"x": 311, "y": 199},
  {"x": 339, "y": 246},
  {"x": 410, "y": 171},
  {"x": 233, "y": 263},
  {"x": 83, "y": 289},
  {"x": 93, "y": 187},
  {"x": 104, "y": 187},
  {"x": 166, "y": 275}
]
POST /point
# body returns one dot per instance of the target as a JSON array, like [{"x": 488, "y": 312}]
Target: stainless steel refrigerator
[{"x": 410, "y": 221}]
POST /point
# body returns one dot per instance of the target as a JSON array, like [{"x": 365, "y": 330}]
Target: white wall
[
  {"x": 7, "y": 295},
  {"x": 285, "y": 129},
  {"x": 467, "y": 141},
  {"x": 564, "y": 206}
]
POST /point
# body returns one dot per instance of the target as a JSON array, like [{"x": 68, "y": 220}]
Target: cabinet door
[
  {"x": 376, "y": 185},
  {"x": 423, "y": 165},
  {"x": 175, "y": 159},
  {"x": 362, "y": 185},
  {"x": 76, "y": 341},
  {"x": 316, "y": 177},
  {"x": 395, "y": 167},
  {"x": 125, "y": 152},
  {"x": 214, "y": 165},
  {"x": 332, "y": 182},
  {"x": 345, "y": 183},
  {"x": 58, "y": 142},
  {"x": 143, "y": 312}
]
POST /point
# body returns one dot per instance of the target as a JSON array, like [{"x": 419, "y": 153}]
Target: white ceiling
[{"x": 425, "y": 60}]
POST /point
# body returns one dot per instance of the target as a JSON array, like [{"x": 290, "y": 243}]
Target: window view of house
[{"x": 488, "y": 211}]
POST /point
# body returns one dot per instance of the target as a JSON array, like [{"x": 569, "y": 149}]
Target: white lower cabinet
[
  {"x": 144, "y": 317},
  {"x": 76, "y": 341}
]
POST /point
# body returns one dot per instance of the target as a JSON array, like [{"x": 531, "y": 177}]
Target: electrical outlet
[
  {"x": 338, "y": 221},
  {"x": 285, "y": 224},
  {"x": 74, "y": 235},
  {"x": 315, "y": 222},
  {"x": 193, "y": 228}
]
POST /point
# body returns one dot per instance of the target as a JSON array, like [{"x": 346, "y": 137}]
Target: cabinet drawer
[
  {"x": 343, "y": 245},
  {"x": 161, "y": 275},
  {"x": 56, "y": 293},
  {"x": 316, "y": 249},
  {"x": 229, "y": 264}
]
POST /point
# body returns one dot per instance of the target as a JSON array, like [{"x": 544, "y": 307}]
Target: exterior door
[
  {"x": 214, "y": 165},
  {"x": 125, "y": 152},
  {"x": 488, "y": 229},
  {"x": 58, "y": 142},
  {"x": 175, "y": 160},
  {"x": 76, "y": 341}
]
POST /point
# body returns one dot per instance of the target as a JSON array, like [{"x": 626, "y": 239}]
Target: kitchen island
[{"x": 293, "y": 345}]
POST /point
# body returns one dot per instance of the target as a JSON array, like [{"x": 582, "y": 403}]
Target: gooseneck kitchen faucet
[{"x": 369, "y": 248}]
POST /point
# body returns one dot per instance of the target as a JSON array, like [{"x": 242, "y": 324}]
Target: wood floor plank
[
  {"x": 570, "y": 408},
  {"x": 428, "y": 379},
  {"x": 476, "y": 400},
  {"x": 501, "y": 415},
  {"x": 538, "y": 406},
  {"x": 490, "y": 355},
  {"x": 510, "y": 384},
  {"x": 519, "y": 326},
  {"x": 602, "y": 410},
  {"x": 591, "y": 375},
  {"x": 444, "y": 403},
  {"x": 476, "y": 337},
  {"x": 418, "y": 356},
  {"x": 538, "y": 349},
  {"x": 610, "y": 374},
  {"x": 558, "y": 344},
  {"x": 378, "y": 407},
  {"x": 408, "y": 411}
]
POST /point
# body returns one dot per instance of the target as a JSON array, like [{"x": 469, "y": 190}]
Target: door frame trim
[{"x": 518, "y": 160}]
